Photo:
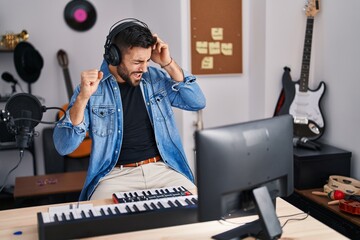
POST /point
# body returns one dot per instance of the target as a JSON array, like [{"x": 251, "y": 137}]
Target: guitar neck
[
  {"x": 69, "y": 87},
  {"x": 305, "y": 69}
]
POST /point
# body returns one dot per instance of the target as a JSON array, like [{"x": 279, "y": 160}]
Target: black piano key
[
  {"x": 171, "y": 203},
  {"x": 56, "y": 218},
  {"x": 83, "y": 214},
  {"x": 136, "y": 209},
  {"x": 194, "y": 200},
  {"x": 147, "y": 207},
  {"x": 128, "y": 209},
  {"x": 110, "y": 212},
  {"x": 117, "y": 211},
  {"x": 63, "y": 216},
  {"x": 72, "y": 217},
  {"x": 188, "y": 202},
  {"x": 178, "y": 203},
  {"x": 102, "y": 212},
  {"x": 153, "y": 206},
  {"x": 91, "y": 213},
  {"x": 160, "y": 205}
]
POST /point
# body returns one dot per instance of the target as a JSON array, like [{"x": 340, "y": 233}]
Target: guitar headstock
[
  {"x": 312, "y": 8},
  {"x": 62, "y": 58}
]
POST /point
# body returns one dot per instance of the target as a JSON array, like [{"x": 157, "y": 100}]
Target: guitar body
[
  {"x": 84, "y": 148},
  {"x": 307, "y": 114}
]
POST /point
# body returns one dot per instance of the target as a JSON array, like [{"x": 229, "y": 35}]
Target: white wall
[
  {"x": 273, "y": 35},
  {"x": 335, "y": 60}
]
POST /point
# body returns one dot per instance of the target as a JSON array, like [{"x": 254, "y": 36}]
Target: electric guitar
[
  {"x": 84, "y": 148},
  {"x": 296, "y": 98}
]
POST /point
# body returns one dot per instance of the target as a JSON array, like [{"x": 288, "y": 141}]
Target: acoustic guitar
[
  {"x": 296, "y": 98},
  {"x": 84, "y": 148}
]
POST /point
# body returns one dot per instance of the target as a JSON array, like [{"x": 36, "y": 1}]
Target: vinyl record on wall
[{"x": 80, "y": 15}]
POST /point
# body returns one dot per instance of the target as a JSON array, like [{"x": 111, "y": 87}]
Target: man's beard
[{"x": 124, "y": 74}]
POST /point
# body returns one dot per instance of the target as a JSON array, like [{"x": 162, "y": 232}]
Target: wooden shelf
[{"x": 5, "y": 50}]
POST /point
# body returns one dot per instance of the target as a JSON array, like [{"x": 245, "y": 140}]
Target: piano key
[
  {"x": 164, "y": 203},
  {"x": 128, "y": 209},
  {"x": 171, "y": 203},
  {"x": 153, "y": 206},
  {"x": 46, "y": 217},
  {"x": 135, "y": 208},
  {"x": 140, "y": 207}
]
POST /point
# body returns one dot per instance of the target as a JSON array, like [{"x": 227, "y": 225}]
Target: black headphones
[{"x": 112, "y": 53}]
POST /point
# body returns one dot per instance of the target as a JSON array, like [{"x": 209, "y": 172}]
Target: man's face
[{"x": 134, "y": 63}]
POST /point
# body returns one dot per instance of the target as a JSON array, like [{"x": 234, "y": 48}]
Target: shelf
[{"x": 6, "y": 50}]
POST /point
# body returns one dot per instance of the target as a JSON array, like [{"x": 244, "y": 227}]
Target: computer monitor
[{"x": 238, "y": 164}]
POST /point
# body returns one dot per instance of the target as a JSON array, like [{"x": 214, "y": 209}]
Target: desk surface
[{"x": 24, "y": 220}]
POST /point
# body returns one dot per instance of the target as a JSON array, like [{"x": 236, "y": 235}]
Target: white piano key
[{"x": 46, "y": 217}]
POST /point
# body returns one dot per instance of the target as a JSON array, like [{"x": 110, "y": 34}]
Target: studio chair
[{"x": 54, "y": 162}]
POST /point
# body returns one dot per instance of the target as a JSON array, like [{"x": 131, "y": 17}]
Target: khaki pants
[{"x": 151, "y": 175}]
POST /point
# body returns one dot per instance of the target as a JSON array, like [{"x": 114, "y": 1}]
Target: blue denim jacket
[{"x": 104, "y": 121}]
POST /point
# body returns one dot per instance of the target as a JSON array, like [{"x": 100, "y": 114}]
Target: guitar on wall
[
  {"x": 84, "y": 148},
  {"x": 296, "y": 98}
]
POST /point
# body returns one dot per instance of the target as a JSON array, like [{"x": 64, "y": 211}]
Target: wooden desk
[
  {"x": 24, "y": 220},
  {"x": 345, "y": 223},
  {"x": 44, "y": 185}
]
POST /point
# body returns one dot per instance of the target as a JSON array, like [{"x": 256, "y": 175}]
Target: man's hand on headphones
[
  {"x": 90, "y": 80},
  {"x": 160, "y": 53}
]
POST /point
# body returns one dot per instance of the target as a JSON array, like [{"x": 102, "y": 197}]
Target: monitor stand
[{"x": 266, "y": 227}]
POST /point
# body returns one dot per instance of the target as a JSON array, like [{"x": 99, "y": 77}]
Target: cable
[
  {"x": 7, "y": 175},
  {"x": 39, "y": 121},
  {"x": 294, "y": 219}
]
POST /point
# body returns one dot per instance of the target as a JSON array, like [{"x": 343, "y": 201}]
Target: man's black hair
[{"x": 134, "y": 36}]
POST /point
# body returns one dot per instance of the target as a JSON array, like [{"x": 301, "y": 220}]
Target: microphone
[
  {"x": 24, "y": 134},
  {"x": 25, "y": 112},
  {"x": 305, "y": 143},
  {"x": 8, "y": 78}
]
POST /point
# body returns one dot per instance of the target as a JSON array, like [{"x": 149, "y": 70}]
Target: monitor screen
[{"x": 233, "y": 160}]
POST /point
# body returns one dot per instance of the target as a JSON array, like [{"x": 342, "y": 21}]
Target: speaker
[{"x": 112, "y": 53}]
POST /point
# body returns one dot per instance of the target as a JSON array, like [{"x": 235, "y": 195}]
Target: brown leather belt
[{"x": 146, "y": 161}]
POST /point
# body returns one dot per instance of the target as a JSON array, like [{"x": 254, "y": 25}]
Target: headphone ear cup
[{"x": 113, "y": 55}]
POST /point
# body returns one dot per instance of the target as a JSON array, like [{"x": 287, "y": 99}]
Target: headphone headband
[
  {"x": 112, "y": 54},
  {"x": 122, "y": 25}
]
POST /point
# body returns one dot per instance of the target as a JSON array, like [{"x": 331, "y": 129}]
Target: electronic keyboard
[
  {"x": 139, "y": 214},
  {"x": 149, "y": 194}
]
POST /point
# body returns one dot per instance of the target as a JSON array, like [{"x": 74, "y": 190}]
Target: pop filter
[
  {"x": 25, "y": 112},
  {"x": 24, "y": 105}
]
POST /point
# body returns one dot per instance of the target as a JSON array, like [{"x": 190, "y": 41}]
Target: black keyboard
[
  {"x": 150, "y": 194},
  {"x": 118, "y": 218}
]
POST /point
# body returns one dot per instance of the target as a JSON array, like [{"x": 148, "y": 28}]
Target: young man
[{"x": 127, "y": 109}]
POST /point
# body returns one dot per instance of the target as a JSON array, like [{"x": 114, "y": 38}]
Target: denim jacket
[{"x": 104, "y": 121}]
